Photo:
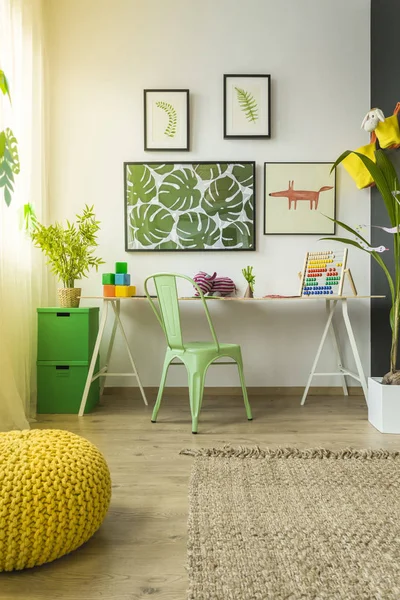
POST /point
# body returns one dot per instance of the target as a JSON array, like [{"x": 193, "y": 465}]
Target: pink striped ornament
[{"x": 213, "y": 285}]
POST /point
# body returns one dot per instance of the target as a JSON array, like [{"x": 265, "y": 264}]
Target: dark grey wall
[{"x": 385, "y": 93}]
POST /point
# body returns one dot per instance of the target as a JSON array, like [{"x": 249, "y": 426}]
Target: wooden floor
[{"x": 140, "y": 550}]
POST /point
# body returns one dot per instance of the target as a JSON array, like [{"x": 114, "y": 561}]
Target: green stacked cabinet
[{"x": 66, "y": 338}]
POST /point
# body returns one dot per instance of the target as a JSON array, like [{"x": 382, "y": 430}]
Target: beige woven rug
[{"x": 288, "y": 524}]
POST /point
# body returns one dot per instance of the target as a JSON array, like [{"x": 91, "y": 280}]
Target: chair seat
[{"x": 209, "y": 347}]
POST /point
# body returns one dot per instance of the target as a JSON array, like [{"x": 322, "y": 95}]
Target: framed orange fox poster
[{"x": 298, "y": 198}]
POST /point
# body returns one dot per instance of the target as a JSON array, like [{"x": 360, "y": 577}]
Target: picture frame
[
  {"x": 247, "y": 106},
  {"x": 166, "y": 120},
  {"x": 298, "y": 198},
  {"x": 190, "y": 206}
]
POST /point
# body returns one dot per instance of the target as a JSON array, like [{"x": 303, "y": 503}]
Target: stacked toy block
[{"x": 118, "y": 284}]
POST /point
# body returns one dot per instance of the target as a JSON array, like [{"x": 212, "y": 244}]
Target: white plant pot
[{"x": 383, "y": 406}]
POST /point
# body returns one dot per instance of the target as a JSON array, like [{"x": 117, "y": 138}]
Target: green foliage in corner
[
  {"x": 9, "y": 160},
  {"x": 69, "y": 249}
]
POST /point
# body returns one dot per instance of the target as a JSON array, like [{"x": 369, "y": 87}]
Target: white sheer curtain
[{"x": 22, "y": 276}]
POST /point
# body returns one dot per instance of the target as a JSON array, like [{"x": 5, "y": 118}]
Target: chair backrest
[{"x": 167, "y": 312}]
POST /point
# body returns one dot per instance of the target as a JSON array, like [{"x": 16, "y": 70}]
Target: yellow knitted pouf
[{"x": 55, "y": 489}]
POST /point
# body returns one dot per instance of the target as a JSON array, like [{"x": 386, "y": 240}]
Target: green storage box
[
  {"x": 60, "y": 387},
  {"x": 67, "y": 334}
]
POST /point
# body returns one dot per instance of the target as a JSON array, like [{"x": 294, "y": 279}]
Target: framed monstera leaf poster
[
  {"x": 189, "y": 206},
  {"x": 247, "y": 106},
  {"x": 166, "y": 119}
]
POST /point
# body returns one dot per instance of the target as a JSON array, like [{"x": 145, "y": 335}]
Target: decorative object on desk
[
  {"x": 387, "y": 182},
  {"x": 247, "y": 106},
  {"x": 55, "y": 492},
  {"x": 190, "y": 206},
  {"x": 166, "y": 120},
  {"x": 250, "y": 278},
  {"x": 69, "y": 251},
  {"x": 324, "y": 273},
  {"x": 297, "y": 196},
  {"x": 9, "y": 159},
  {"x": 118, "y": 284},
  {"x": 213, "y": 285}
]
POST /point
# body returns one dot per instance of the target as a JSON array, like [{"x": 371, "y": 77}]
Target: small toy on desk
[
  {"x": 118, "y": 284},
  {"x": 213, "y": 285},
  {"x": 251, "y": 279}
]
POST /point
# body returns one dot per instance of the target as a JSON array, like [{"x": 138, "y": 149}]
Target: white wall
[{"x": 103, "y": 53}]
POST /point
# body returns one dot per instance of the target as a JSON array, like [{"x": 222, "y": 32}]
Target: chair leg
[
  {"x": 196, "y": 387},
  {"x": 244, "y": 389},
  {"x": 167, "y": 362}
]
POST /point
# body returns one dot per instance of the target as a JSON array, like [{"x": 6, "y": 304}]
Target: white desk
[{"x": 331, "y": 304}]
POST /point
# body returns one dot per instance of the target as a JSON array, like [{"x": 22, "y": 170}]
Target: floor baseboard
[{"x": 236, "y": 391}]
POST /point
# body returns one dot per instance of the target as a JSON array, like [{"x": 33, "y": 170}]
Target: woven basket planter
[{"x": 69, "y": 297}]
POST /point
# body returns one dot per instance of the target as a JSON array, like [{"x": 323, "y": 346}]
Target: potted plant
[
  {"x": 250, "y": 278},
  {"x": 383, "y": 393},
  {"x": 69, "y": 251}
]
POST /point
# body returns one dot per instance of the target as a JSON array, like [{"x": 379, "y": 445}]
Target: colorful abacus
[
  {"x": 118, "y": 284},
  {"x": 323, "y": 273}
]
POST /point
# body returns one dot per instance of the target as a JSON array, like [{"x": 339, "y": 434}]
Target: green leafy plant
[
  {"x": 248, "y": 104},
  {"x": 249, "y": 277},
  {"x": 69, "y": 250},
  {"x": 387, "y": 182},
  {"x": 170, "y": 130},
  {"x": 9, "y": 160}
]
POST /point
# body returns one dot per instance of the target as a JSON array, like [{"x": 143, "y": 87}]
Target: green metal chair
[{"x": 196, "y": 356}]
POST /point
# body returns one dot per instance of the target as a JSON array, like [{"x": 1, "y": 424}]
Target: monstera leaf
[
  {"x": 196, "y": 230},
  {"x": 210, "y": 171},
  {"x": 140, "y": 185},
  {"x": 170, "y": 245},
  {"x": 239, "y": 234},
  {"x": 249, "y": 208},
  {"x": 150, "y": 224},
  {"x": 223, "y": 198},
  {"x": 178, "y": 191},
  {"x": 243, "y": 174},
  {"x": 162, "y": 169},
  {"x": 9, "y": 163}
]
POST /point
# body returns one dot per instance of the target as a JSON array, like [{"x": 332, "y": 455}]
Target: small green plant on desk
[
  {"x": 251, "y": 279},
  {"x": 69, "y": 251}
]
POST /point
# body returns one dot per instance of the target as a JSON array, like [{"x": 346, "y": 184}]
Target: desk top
[{"x": 239, "y": 299}]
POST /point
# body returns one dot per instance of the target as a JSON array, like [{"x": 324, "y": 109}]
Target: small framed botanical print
[
  {"x": 166, "y": 119},
  {"x": 247, "y": 106},
  {"x": 298, "y": 197}
]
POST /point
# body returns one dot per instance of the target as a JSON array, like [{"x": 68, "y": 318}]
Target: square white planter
[{"x": 383, "y": 405}]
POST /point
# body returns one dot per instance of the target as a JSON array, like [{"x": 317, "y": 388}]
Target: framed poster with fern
[
  {"x": 166, "y": 119},
  {"x": 247, "y": 106},
  {"x": 189, "y": 206}
]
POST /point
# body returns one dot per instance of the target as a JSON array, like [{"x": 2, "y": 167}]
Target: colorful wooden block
[
  {"x": 109, "y": 291},
  {"x": 121, "y": 267},
  {"x": 125, "y": 291},
  {"x": 122, "y": 279},
  {"x": 108, "y": 279}
]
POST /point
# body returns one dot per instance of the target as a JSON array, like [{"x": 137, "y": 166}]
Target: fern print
[
  {"x": 172, "y": 118},
  {"x": 248, "y": 104},
  {"x": 9, "y": 164}
]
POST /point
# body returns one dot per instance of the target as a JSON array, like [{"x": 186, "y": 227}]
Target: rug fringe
[{"x": 257, "y": 452}]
